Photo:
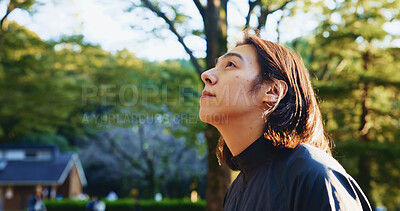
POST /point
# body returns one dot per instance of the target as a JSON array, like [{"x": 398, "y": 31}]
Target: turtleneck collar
[{"x": 259, "y": 152}]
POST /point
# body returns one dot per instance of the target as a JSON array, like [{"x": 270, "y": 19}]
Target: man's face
[
  {"x": 227, "y": 92},
  {"x": 38, "y": 190}
]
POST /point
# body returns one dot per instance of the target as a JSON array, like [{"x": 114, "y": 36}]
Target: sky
[
  {"x": 108, "y": 24},
  {"x": 105, "y": 23}
]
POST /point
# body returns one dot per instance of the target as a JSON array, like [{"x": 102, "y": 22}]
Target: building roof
[{"x": 50, "y": 167}]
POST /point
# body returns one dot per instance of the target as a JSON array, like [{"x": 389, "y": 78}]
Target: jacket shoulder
[
  {"x": 309, "y": 159},
  {"x": 318, "y": 182}
]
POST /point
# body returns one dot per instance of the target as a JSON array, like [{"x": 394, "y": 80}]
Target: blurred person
[
  {"x": 35, "y": 201},
  {"x": 95, "y": 205},
  {"x": 92, "y": 202},
  {"x": 137, "y": 206},
  {"x": 259, "y": 96}
]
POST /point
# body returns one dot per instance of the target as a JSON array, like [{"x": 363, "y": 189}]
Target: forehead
[{"x": 248, "y": 53}]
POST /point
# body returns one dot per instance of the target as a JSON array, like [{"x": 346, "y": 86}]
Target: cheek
[{"x": 239, "y": 94}]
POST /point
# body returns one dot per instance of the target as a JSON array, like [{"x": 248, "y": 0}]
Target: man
[
  {"x": 35, "y": 202},
  {"x": 95, "y": 205},
  {"x": 273, "y": 133}
]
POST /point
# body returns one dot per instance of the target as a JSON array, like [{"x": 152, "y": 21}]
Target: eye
[{"x": 230, "y": 64}]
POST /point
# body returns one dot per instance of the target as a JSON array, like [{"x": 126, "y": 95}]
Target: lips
[{"x": 207, "y": 94}]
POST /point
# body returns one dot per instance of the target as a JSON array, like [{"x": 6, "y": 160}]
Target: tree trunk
[
  {"x": 364, "y": 163},
  {"x": 218, "y": 177},
  {"x": 215, "y": 25}
]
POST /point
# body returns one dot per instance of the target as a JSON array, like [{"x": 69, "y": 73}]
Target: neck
[{"x": 241, "y": 132}]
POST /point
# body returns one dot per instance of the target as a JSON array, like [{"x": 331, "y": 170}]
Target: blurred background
[{"x": 101, "y": 98}]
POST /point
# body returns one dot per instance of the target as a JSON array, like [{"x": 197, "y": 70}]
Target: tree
[
  {"x": 36, "y": 98},
  {"x": 214, "y": 15},
  {"x": 64, "y": 89},
  {"x": 146, "y": 157},
  {"x": 12, "y": 5}
]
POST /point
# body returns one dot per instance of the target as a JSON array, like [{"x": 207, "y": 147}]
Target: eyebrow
[{"x": 228, "y": 55}]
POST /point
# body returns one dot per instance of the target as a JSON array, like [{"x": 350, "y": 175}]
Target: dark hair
[{"x": 293, "y": 119}]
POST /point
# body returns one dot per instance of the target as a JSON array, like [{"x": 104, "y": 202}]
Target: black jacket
[{"x": 304, "y": 178}]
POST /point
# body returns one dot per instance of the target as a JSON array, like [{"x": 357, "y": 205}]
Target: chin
[{"x": 204, "y": 117}]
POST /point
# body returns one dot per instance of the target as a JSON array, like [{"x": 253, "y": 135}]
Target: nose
[{"x": 208, "y": 77}]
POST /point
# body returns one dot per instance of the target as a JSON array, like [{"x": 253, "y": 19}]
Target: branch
[
  {"x": 252, "y": 4},
  {"x": 277, "y": 29},
  {"x": 200, "y": 7},
  {"x": 10, "y": 8},
  {"x": 262, "y": 19},
  {"x": 124, "y": 155},
  {"x": 160, "y": 14}
]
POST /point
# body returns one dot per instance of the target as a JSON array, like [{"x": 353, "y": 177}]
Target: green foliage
[
  {"x": 64, "y": 92},
  {"x": 384, "y": 167},
  {"x": 129, "y": 205},
  {"x": 60, "y": 141},
  {"x": 34, "y": 97},
  {"x": 66, "y": 204},
  {"x": 58, "y": 82}
]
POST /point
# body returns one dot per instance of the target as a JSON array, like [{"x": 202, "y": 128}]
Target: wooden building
[{"x": 22, "y": 168}]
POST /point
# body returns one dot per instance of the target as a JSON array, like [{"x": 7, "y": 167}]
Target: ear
[{"x": 275, "y": 91}]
